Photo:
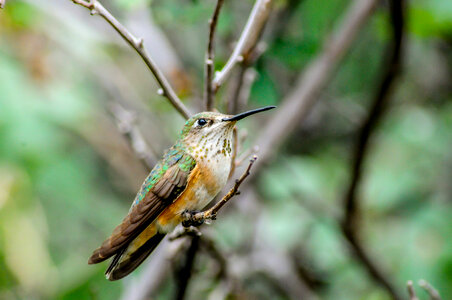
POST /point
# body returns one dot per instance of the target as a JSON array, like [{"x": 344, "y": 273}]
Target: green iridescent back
[{"x": 175, "y": 155}]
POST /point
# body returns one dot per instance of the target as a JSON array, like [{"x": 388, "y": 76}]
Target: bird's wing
[{"x": 164, "y": 184}]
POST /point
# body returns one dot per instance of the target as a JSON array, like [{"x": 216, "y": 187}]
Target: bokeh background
[{"x": 68, "y": 175}]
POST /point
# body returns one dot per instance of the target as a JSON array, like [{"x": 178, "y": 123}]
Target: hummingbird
[{"x": 190, "y": 174}]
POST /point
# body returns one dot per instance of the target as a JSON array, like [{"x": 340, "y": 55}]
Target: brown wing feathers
[{"x": 165, "y": 191}]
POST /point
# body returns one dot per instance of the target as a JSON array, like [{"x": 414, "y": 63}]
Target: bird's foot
[{"x": 192, "y": 218}]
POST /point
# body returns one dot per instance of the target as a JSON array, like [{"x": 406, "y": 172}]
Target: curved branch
[
  {"x": 137, "y": 43},
  {"x": 379, "y": 105}
]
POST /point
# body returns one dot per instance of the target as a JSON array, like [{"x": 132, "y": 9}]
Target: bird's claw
[{"x": 189, "y": 220}]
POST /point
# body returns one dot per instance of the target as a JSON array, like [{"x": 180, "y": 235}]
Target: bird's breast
[{"x": 205, "y": 181}]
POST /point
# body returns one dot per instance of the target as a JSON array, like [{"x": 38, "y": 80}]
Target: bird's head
[{"x": 212, "y": 128}]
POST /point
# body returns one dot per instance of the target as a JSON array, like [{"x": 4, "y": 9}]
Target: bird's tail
[{"x": 126, "y": 261}]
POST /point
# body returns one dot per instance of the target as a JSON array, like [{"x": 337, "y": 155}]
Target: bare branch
[
  {"x": 298, "y": 103},
  {"x": 411, "y": 292},
  {"x": 433, "y": 293},
  {"x": 210, "y": 214},
  {"x": 208, "y": 93},
  {"x": 248, "y": 39},
  {"x": 137, "y": 43},
  {"x": 380, "y": 102},
  {"x": 2, "y": 3}
]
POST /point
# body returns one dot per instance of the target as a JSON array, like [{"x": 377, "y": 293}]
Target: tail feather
[{"x": 124, "y": 263}]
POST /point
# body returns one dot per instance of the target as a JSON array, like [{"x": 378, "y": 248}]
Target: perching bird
[{"x": 189, "y": 176}]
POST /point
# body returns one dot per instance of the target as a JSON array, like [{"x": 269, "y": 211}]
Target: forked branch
[{"x": 97, "y": 8}]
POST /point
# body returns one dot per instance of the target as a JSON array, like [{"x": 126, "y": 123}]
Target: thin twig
[
  {"x": 248, "y": 39},
  {"x": 208, "y": 89},
  {"x": 297, "y": 104},
  {"x": 126, "y": 121},
  {"x": 137, "y": 43},
  {"x": 210, "y": 214},
  {"x": 380, "y": 102},
  {"x": 432, "y": 292},
  {"x": 411, "y": 292}
]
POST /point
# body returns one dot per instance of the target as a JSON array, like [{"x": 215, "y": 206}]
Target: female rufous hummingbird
[{"x": 190, "y": 175}]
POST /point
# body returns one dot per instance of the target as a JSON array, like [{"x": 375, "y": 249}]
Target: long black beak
[{"x": 247, "y": 113}]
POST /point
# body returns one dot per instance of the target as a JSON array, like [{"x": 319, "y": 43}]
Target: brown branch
[
  {"x": 296, "y": 106},
  {"x": 379, "y": 105},
  {"x": 137, "y": 43},
  {"x": 432, "y": 292},
  {"x": 248, "y": 39},
  {"x": 208, "y": 93},
  {"x": 411, "y": 292},
  {"x": 211, "y": 214}
]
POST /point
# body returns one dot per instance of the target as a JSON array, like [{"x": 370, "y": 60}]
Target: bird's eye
[{"x": 202, "y": 122}]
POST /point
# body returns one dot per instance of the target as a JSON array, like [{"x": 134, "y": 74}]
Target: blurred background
[{"x": 68, "y": 174}]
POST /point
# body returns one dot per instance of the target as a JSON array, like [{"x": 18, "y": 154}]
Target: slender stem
[
  {"x": 208, "y": 93},
  {"x": 248, "y": 39},
  {"x": 126, "y": 121},
  {"x": 137, "y": 43},
  {"x": 411, "y": 292},
  {"x": 432, "y": 292}
]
